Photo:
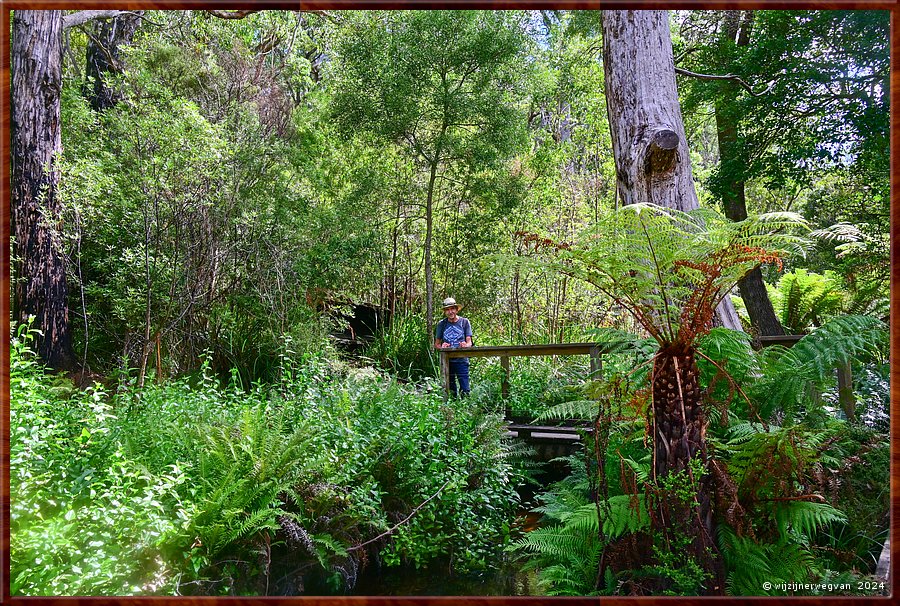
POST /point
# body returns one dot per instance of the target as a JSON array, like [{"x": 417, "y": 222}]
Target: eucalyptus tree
[
  {"x": 39, "y": 271},
  {"x": 442, "y": 84},
  {"x": 648, "y": 138}
]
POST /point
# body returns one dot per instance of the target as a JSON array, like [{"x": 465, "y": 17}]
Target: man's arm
[{"x": 467, "y": 331}]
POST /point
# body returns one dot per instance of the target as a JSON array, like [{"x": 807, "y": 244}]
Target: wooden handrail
[
  {"x": 512, "y": 351},
  {"x": 504, "y": 352}
]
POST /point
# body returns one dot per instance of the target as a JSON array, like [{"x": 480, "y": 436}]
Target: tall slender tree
[{"x": 439, "y": 83}]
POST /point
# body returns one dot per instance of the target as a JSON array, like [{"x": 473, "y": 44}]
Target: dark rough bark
[
  {"x": 104, "y": 57},
  {"x": 649, "y": 145},
  {"x": 736, "y": 29},
  {"x": 679, "y": 427},
  {"x": 39, "y": 266}
]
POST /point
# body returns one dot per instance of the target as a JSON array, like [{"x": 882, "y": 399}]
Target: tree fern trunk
[{"x": 679, "y": 428}]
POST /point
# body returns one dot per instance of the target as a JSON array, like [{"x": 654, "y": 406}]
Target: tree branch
[
  {"x": 401, "y": 522},
  {"x": 240, "y": 14},
  {"x": 85, "y": 16},
  {"x": 82, "y": 17},
  {"x": 732, "y": 77}
]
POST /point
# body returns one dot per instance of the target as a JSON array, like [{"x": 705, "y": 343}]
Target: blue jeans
[{"x": 459, "y": 371}]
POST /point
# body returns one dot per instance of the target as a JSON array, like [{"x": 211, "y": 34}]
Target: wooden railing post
[
  {"x": 596, "y": 363},
  {"x": 504, "y": 386},
  {"x": 445, "y": 373},
  {"x": 845, "y": 391}
]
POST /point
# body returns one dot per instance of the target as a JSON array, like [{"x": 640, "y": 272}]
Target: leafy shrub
[
  {"x": 191, "y": 487},
  {"x": 85, "y": 518}
]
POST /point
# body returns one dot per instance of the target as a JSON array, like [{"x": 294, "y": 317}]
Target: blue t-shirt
[{"x": 453, "y": 333}]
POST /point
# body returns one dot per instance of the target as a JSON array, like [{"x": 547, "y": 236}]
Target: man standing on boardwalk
[{"x": 451, "y": 332}]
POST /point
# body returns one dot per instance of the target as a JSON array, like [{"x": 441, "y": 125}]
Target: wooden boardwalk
[{"x": 596, "y": 351}]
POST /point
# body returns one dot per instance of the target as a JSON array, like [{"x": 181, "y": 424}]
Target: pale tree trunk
[
  {"x": 40, "y": 270},
  {"x": 429, "y": 230},
  {"x": 736, "y": 30},
  {"x": 429, "y": 279},
  {"x": 653, "y": 166},
  {"x": 649, "y": 145}
]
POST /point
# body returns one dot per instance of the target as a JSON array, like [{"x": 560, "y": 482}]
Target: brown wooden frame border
[{"x": 7, "y": 5}]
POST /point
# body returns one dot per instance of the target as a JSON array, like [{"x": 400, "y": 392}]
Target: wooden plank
[
  {"x": 504, "y": 386},
  {"x": 786, "y": 340},
  {"x": 548, "y": 428},
  {"x": 552, "y": 349}
]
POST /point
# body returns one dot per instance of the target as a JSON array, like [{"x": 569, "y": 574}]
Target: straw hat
[{"x": 451, "y": 302}]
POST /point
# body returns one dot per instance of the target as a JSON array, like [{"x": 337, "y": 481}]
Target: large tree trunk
[
  {"x": 103, "y": 57},
  {"x": 649, "y": 145},
  {"x": 732, "y": 166},
  {"x": 653, "y": 166},
  {"x": 40, "y": 271}
]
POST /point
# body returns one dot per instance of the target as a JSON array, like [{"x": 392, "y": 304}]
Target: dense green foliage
[
  {"x": 792, "y": 517},
  {"x": 194, "y": 488},
  {"x": 260, "y": 178}
]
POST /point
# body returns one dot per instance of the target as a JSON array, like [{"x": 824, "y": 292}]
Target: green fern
[
  {"x": 805, "y": 517},
  {"x": 247, "y": 470},
  {"x": 750, "y": 564},
  {"x": 790, "y": 375}
]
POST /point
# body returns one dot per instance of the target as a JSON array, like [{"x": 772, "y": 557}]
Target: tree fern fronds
[
  {"x": 839, "y": 232},
  {"x": 617, "y": 341},
  {"x": 575, "y": 409},
  {"x": 805, "y": 517},
  {"x": 732, "y": 350},
  {"x": 839, "y": 340}
]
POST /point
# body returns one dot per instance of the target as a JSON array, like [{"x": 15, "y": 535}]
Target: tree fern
[
  {"x": 654, "y": 261},
  {"x": 805, "y": 517}
]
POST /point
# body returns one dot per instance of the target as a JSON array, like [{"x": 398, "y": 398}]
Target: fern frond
[
  {"x": 575, "y": 409},
  {"x": 805, "y": 517}
]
